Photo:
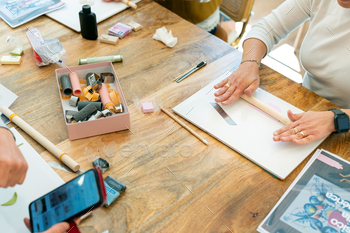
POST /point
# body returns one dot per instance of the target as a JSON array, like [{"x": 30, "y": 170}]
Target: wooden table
[{"x": 214, "y": 189}]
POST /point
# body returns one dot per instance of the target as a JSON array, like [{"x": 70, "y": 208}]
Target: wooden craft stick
[
  {"x": 63, "y": 157},
  {"x": 264, "y": 107},
  {"x": 131, "y": 4},
  {"x": 185, "y": 126}
]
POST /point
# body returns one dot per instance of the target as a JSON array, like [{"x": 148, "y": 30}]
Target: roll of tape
[
  {"x": 66, "y": 85},
  {"x": 86, "y": 112},
  {"x": 82, "y": 104},
  {"x": 74, "y": 101}
]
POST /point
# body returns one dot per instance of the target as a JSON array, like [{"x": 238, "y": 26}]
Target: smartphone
[{"x": 67, "y": 202}]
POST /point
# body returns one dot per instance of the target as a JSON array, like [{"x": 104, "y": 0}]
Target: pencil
[{"x": 185, "y": 126}]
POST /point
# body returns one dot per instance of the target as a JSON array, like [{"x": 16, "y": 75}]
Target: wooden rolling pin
[
  {"x": 264, "y": 107},
  {"x": 131, "y": 4},
  {"x": 63, "y": 157}
]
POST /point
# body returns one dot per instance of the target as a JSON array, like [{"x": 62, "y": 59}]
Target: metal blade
[
  {"x": 222, "y": 113},
  {"x": 63, "y": 167}
]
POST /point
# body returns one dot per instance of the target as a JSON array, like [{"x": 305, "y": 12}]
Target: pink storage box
[{"x": 117, "y": 122}]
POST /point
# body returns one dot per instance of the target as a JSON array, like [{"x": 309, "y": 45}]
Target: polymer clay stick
[
  {"x": 11, "y": 60},
  {"x": 66, "y": 85},
  {"x": 82, "y": 104},
  {"x": 105, "y": 99},
  {"x": 147, "y": 107},
  {"x": 101, "y": 163},
  {"x": 86, "y": 112},
  {"x": 109, "y": 39},
  {"x": 73, "y": 101},
  {"x": 113, "y": 188},
  {"x": 74, "y": 80},
  {"x": 135, "y": 26}
]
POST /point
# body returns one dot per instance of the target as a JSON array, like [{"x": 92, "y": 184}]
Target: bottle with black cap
[{"x": 88, "y": 23}]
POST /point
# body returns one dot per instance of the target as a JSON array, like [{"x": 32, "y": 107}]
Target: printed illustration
[{"x": 320, "y": 207}]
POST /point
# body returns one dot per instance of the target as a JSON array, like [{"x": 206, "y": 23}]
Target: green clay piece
[
  {"x": 17, "y": 52},
  {"x": 12, "y": 201},
  {"x": 20, "y": 144}
]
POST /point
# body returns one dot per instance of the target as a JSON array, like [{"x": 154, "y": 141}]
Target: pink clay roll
[
  {"x": 74, "y": 79},
  {"x": 104, "y": 95}
]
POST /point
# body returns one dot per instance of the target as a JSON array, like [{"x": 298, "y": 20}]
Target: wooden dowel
[
  {"x": 60, "y": 155},
  {"x": 185, "y": 126},
  {"x": 264, "y": 107},
  {"x": 131, "y": 4}
]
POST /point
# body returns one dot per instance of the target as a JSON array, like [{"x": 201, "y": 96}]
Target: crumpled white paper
[{"x": 166, "y": 37}]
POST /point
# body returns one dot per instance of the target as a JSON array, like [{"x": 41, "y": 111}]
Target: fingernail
[
  {"x": 275, "y": 133},
  {"x": 224, "y": 102}
]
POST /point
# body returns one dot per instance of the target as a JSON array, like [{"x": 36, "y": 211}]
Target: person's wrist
[
  {"x": 4, "y": 132},
  {"x": 331, "y": 116},
  {"x": 253, "y": 66}
]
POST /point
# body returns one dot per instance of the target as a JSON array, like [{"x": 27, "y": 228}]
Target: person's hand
[
  {"x": 13, "y": 166},
  {"x": 62, "y": 227},
  {"x": 245, "y": 80},
  {"x": 314, "y": 126}
]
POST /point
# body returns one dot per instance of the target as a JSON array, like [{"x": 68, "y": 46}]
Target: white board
[
  {"x": 252, "y": 136},
  {"x": 69, "y": 15},
  {"x": 40, "y": 179}
]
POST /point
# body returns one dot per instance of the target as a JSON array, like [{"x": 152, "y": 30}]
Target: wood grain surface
[{"x": 175, "y": 182}]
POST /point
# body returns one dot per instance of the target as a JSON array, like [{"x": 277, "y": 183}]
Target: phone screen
[{"x": 65, "y": 202}]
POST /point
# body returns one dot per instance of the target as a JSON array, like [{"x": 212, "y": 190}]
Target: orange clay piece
[
  {"x": 108, "y": 86},
  {"x": 66, "y": 97},
  {"x": 82, "y": 81},
  {"x": 114, "y": 97},
  {"x": 87, "y": 94},
  {"x": 95, "y": 96}
]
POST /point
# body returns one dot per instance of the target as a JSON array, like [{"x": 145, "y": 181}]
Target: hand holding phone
[
  {"x": 62, "y": 227},
  {"x": 68, "y": 202}
]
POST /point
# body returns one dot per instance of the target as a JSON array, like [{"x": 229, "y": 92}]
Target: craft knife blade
[{"x": 223, "y": 114}]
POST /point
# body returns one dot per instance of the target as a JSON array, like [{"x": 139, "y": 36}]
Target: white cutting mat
[
  {"x": 252, "y": 136},
  {"x": 69, "y": 15}
]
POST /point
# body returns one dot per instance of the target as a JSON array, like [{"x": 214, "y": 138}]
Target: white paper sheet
[
  {"x": 252, "y": 136},
  {"x": 40, "y": 179},
  {"x": 69, "y": 15},
  {"x": 7, "y": 97}
]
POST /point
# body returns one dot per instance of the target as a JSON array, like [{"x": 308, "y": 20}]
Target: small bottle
[{"x": 88, "y": 23}]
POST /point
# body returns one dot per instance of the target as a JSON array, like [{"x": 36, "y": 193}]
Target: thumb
[
  {"x": 294, "y": 117},
  {"x": 62, "y": 227},
  {"x": 252, "y": 87},
  {"x": 26, "y": 221}
]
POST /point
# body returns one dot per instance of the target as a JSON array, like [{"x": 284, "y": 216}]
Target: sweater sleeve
[{"x": 281, "y": 22}]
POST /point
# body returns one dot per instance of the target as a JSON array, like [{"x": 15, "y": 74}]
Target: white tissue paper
[{"x": 166, "y": 37}]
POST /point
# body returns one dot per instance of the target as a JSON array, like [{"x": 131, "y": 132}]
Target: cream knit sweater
[{"x": 325, "y": 51}]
